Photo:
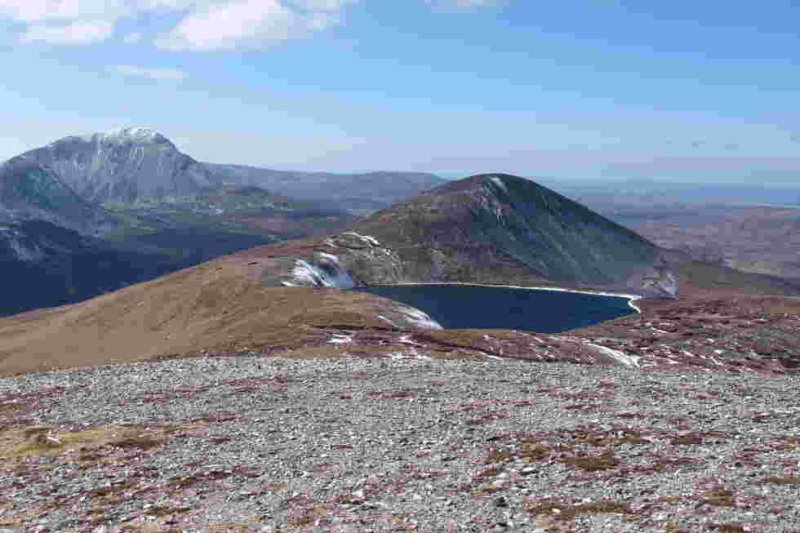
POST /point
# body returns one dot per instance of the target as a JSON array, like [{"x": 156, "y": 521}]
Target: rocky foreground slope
[{"x": 247, "y": 444}]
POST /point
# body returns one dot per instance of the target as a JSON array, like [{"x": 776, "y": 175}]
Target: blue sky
[{"x": 574, "y": 89}]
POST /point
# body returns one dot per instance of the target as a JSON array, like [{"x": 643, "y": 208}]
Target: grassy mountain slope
[
  {"x": 497, "y": 228},
  {"x": 216, "y": 307}
]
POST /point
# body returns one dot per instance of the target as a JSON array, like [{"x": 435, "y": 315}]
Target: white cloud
[
  {"x": 252, "y": 23},
  {"x": 228, "y": 25},
  {"x": 78, "y": 32},
  {"x": 206, "y": 24},
  {"x": 63, "y": 10},
  {"x": 75, "y": 22},
  {"x": 203, "y": 25},
  {"x": 150, "y": 73}
]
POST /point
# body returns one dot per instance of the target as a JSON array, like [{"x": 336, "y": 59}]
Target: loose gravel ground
[{"x": 365, "y": 445}]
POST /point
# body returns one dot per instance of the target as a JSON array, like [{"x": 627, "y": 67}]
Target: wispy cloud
[
  {"x": 71, "y": 22},
  {"x": 205, "y": 24},
  {"x": 79, "y": 32},
  {"x": 150, "y": 73},
  {"x": 251, "y": 24},
  {"x": 202, "y": 25}
]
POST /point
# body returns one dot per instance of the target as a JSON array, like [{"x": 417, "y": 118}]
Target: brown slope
[
  {"x": 216, "y": 307},
  {"x": 762, "y": 240}
]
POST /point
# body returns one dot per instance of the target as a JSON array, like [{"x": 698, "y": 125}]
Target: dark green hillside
[
  {"x": 45, "y": 265},
  {"x": 498, "y": 228}
]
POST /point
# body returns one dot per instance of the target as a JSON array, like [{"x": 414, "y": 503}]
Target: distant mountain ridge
[
  {"x": 359, "y": 192},
  {"x": 134, "y": 163}
]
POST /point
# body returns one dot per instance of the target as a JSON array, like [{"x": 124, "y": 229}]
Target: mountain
[
  {"x": 750, "y": 229},
  {"x": 87, "y": 214},
  {"x": 121, "y": 166},
  {"x": 358, "y": 193},
  {"x": 503, "y": 229},
  {"x": 29, "y": 191}
]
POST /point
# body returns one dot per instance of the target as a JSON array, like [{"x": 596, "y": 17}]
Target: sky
[{"x": 676, "y": 91}]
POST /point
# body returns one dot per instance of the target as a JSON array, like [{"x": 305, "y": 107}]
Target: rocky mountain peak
[
  {"x": 134, "y": 134},
  {"x": 128, "y": 135},
  {"x": 122, "y": 165}
]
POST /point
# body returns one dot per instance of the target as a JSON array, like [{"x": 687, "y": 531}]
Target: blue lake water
[{"x": 483, "y": 307}]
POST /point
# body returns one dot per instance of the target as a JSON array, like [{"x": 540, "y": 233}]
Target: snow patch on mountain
[
  {"x": 367, "y": 260},
  {"x": 497, "y": 180},
  {"x": 134, "y": 133},
  {"x": 630, "y": 361},
  {"x": 129, "y": 134},
  {"x": 413, "y": 317},
  {"x": 323, "y": 271},
  {"x": 353, "y": 240},
  {"x": 22, "y": 248},
  {"x": 418, "y": 318}
]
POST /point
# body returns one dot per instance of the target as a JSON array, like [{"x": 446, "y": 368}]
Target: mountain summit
[
  {"x": 123, "y": 165},
  {"x": 499, "y": 228}
]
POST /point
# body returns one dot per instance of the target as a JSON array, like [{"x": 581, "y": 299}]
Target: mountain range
[
  {"x": 90, "y": 215},
  {"x": 129, "y": 206},
  {"x": 286, "y": 298}
]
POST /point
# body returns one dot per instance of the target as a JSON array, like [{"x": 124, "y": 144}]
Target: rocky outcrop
[
  {"x": 343, "y": 261},
  {"x": 368, "y": 261}
]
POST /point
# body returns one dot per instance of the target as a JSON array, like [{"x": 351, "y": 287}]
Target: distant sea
[{"x": 486, "y": 307}]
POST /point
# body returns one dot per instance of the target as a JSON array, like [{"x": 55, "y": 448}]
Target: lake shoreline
[{"x": 631, "y": 297}]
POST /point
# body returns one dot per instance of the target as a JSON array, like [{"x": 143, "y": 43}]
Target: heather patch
[{"x": 24, "y": 441}]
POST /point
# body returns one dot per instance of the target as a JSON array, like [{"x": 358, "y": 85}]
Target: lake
[{"x": 487, "y": 307}]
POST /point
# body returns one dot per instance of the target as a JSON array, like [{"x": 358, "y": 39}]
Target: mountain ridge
[{"x": 357, "y": 192}]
